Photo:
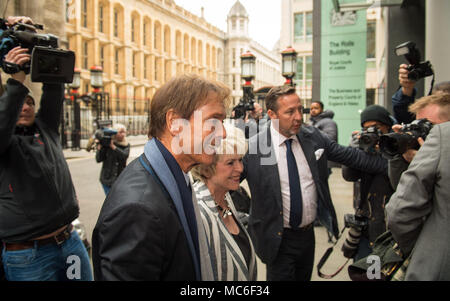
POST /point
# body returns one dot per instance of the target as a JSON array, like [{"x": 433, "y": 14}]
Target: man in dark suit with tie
[{"x": 286, "y": 169}]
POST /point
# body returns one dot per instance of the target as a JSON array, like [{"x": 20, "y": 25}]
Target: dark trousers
[{"x": 295, "y": 258}]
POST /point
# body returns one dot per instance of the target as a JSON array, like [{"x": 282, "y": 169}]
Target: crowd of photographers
[{"x": 408, "y": 199}]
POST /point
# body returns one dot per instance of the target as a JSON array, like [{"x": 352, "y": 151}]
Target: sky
[{"x": 264, "y": 16}]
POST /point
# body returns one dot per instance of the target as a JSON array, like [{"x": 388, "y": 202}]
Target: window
[
  {"x": 69, "y": 10},
  {"x": 371, "y": 44},
  {"x": 116, "y": 23},
  {"x": 100, "y": 18},
  {"x": 241, "y": 25},
  {"x": 303, "y": 74},
  {"x": 117, "y": 99},
  {"x": 233, "y": 24},
  {"x": 309, "y": 26},
  {"x": 132, "y": 29},
  {"x": 144, "y": 33},
  {"x": 299, "y": 72},
  {"x": 145, "y": 67},
  {"x": 85, "y": 55},
  {"x": 102, "y": 57},
  {"x": 308, "y": 72},
  {"x": 233, "y": 54},
  {"x": 84, "y": 9},
  {"x": 116, "y": 61},
  {"x": 303, "y": 27},
  {"x": 134, "y": 65},
  {"x": 234, "y": 82}
]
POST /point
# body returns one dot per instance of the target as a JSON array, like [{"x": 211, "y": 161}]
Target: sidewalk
[{"x": 82, "y": 153}]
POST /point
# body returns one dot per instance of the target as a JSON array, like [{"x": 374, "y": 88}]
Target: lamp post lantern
[
  {"x": 289, "y": 64},
  {"x": 97, "y": 95},
  {"x": 248, "y": 61},
  {"x": 96, "y": 78}
]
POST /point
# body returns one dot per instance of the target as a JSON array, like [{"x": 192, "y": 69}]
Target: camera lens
[{"x": 351, "y": 242}]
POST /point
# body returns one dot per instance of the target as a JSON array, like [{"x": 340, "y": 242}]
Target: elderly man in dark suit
[
  {"x": 286, "y": 169},
  {"x": 150, "y": 226}
]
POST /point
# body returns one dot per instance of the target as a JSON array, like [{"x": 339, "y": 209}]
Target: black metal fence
[{"x": 135, "y": 118}]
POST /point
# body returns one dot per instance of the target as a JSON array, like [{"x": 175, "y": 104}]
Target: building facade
[
  {"x": 297, "y": 30},
  {"x": 141, "y": 44},
  {"x": 238, "y": 41}
]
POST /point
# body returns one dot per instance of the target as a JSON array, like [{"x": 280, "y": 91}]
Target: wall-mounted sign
[{"x": 343, "y": 66}]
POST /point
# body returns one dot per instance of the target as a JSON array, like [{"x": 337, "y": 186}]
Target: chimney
[{"x": 203, "y": 12}]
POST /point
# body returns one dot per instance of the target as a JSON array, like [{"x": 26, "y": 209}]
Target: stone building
[{"x": 141, "y": 44}]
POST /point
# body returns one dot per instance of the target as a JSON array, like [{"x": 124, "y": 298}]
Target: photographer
[
  {"x": 436, "y": 109},
  {"x": 418, "y": 212},
  {"x": 37, "y": 196},
  {"x": 375, "y": 189},
  {"x": 406, "y": 95},
  {"x": 114, "y": 157}
]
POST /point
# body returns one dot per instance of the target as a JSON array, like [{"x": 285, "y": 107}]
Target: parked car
[{"x": 81, "y": 230}]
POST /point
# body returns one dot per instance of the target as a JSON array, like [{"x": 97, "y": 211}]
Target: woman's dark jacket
[
  {"x": 114, "y": 161},
  {"x": 36, "y": 191}
]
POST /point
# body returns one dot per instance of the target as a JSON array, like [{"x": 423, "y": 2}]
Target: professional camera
[
  {"x": 369, "y": 138},
  {"x": 356, "y": 223},
  {"x": 242, "y": 107},
  {"x": 397, "y": 143},
  {"x": 417, "y": 69},
  {"x": 48, "y": 63},
  {"x": 104, "y": 135}
]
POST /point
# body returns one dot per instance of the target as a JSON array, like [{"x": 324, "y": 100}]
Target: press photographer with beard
[
  {"x": 37, "y": 197},
  {"x": 113, "y": 156},
  {"x": 375, "y": 189}
]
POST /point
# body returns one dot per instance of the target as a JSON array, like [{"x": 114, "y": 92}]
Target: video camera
[
  {"x": 397, "y": 143},
  {"x": 369, "y": 138},
  {"x": 242, "y": 107},
  {"x": 417, "y": 69},
  {"x": 48, "y": 63},
  {"x": 356, "y": 223},
  {"x": 104, "y": 135},
  {"x": 245, "y": 104}
]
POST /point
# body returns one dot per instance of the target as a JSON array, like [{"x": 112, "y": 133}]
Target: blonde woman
[{"x": 232, "y": 251}]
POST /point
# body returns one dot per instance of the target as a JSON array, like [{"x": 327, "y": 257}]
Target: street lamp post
[
  {"x": 76, "y": 129},
  {"x": 97, "y": 95},
  {"x": 248, "y": 74},
  {"x": 289, "y": 65}
]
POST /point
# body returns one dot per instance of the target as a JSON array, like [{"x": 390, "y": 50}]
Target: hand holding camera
[
  {"x": 17, "y": 57},
  {"x": 405, "y": 82},
  {"x": 47, "y": 63}
]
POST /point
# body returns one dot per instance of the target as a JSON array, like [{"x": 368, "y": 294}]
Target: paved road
[{"x": 85, "y": 174}]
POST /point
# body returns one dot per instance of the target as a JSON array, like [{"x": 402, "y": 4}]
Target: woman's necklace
[{"x": 225, "y": 212}]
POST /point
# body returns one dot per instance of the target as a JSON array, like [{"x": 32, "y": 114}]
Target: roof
[{"x": 238, "y": 10}]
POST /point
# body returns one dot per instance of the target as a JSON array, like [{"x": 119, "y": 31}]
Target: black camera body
[
  {"x": 369, "y": 138},
  {"x": 356, "y": 223},
  {"x": 104, "y": 135},
  {"x": 48, "y": 63},
  {"x": 397, "y": 143},
  {"x": 242, "y": 107},
  {"x": 416, "y": 68}
]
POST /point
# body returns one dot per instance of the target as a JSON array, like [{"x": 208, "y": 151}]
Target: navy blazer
[{"x": 261, "y": 171}]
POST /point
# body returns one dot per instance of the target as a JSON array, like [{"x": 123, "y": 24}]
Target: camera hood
[{"x": 50, "y": 65}]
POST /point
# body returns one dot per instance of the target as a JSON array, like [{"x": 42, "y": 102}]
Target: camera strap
[{"x": 325, "y": 258}]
